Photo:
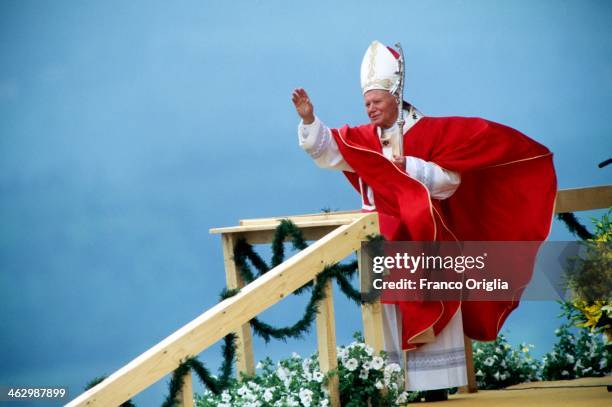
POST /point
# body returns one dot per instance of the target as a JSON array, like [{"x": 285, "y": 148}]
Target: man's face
[{"x": 381, "y": 107}]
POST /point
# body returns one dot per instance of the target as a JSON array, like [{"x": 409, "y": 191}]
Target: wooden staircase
[{"x": 337, "y": 236}]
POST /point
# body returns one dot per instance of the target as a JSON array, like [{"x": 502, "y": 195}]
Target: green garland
[
  {"x": 575, "y": 227},
  {"x": 243, "y": 254}
]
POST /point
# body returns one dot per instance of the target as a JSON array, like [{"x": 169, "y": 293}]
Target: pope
[{"x": 436, "y": 178}]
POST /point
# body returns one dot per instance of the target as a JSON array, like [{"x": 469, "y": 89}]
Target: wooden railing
[
  {"x": 337, "y": 235},
  {"x": 340, "y": 236}
]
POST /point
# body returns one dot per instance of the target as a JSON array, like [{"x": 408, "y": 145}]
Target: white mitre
[{"x": 379, "y": 69}]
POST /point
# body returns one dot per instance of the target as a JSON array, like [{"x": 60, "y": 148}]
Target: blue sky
[{"x": 128, "y": 129}]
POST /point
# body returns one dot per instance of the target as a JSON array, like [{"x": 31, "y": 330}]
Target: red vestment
[{"x": 507, "y": 193}]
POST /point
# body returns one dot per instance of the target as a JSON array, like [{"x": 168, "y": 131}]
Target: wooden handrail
[
  {"x": 583, "y": 199},
  {"x": 228, "y": 315},
  {"x": 313, "y": 226}
]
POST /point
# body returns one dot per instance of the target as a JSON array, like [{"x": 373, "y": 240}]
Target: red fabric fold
[{"x": 507, "y": 192}]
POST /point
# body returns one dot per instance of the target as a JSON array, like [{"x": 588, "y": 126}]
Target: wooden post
[
  {"x": 185, "y": 396},
  {"x": 326, "y": 337},
  {"x": 371, "y": 313},
  {"x": 245, "y": 361},
  {"x": 471, "y": 387}
]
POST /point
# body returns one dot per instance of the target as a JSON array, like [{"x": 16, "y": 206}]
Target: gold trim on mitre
[{"x": 379, "y": 68}]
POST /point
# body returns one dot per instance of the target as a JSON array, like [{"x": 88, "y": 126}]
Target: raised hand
[{"x": 303, "y": 105}]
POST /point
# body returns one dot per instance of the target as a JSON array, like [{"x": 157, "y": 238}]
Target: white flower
[
  {"x": 496, "y": 376},
  {"x": 226, "y": 397},
  {"x": 603, "y": 363},
  {"x": 282, "y": 373},
  {"x": 306, "y": 397},
  {"x": 489, "y": 361},
  {"x": 565, "y": 373},
  {"x": 224, "y": 405},
  {"x": 378, "y": 385},
  {"x": 479, "y": 373},
  {"x": 342, "y": 353},
  {"x": 363, "y": 374},
  {"x": 294, "y": 355},
  {"x": 479, "y": 351},
  {"x": 259, "y": 365},
  {"x": 369, "y": 350},
  {"x": 570, "y": 358},
  {"x": 392, "y": 368},
  {"x": 318, "y": 376},
  {"x": 324, "y": 403},
  {"x": 292, "y": 402},
  {"x": 267, "y": 396},
  {"x": 254, "y": 386},
  {"x": 377, "y": 362},
  {"x": 351, "y": 364},
  {"x": 242, "y": 391},
  {"x": 402, "y": 398}
]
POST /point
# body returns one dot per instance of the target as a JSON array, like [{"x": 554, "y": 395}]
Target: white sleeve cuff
[
  {"x": 316, "y": 139},
  {"x": 441, "y": 183},
  {"x": 309, "y": 133}
]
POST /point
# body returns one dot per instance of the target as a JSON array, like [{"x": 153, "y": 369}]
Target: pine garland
[
  {"x": 215, "y": 385},
  {"x": 302, "y": 326},
  {"x": 575, "y": 227},
  {"x": 243, "y": 254},
  {"x": 283, "y": 230}
]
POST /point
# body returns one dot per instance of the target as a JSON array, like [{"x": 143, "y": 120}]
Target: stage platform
[{"x": 585, "y": 392}]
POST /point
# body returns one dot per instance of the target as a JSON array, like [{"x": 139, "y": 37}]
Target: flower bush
[
  {"x": 497, "y": 365},
  {"x": 574, "y": 356},
  {"x": 364, "y": 379},
  {"x": 291, "y": 382},
  {"x": 368, "y": 378}
]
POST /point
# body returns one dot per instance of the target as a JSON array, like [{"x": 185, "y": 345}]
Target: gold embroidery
[
  {"x": 371, "y": 72},
  {"x": 378, "y": 83}
]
